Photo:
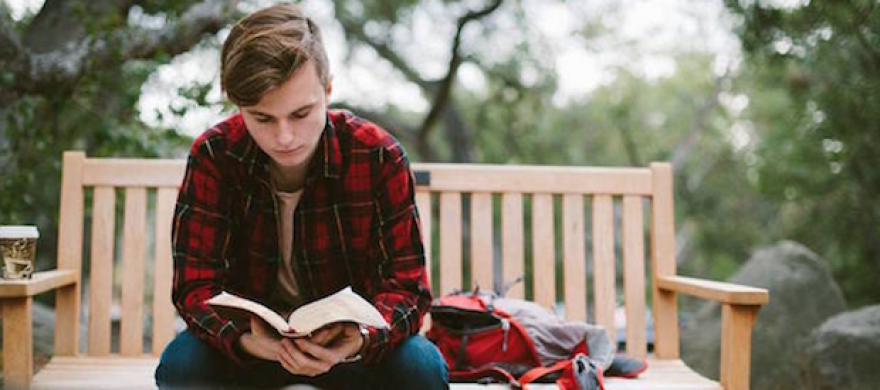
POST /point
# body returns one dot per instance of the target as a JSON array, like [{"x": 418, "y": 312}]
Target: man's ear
[{"x": 329, "y": 90}]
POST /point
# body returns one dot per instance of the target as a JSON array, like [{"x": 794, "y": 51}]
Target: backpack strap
[
  {"x": 539, "y": 372},
  {"x": 578, "y": 373}
]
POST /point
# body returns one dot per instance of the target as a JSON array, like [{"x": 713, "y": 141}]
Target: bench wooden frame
[{"x": 447, "y": 188}]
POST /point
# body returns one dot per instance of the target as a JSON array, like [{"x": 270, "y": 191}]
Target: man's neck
[{"x": 288, "y": 179}]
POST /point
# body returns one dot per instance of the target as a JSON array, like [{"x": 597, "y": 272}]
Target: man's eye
[
  {"x": 300, "y": 115},
  {"x": 263, "y": 119}
]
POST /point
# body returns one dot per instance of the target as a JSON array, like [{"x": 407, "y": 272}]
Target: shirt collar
[{"x": 327, "y": 160}]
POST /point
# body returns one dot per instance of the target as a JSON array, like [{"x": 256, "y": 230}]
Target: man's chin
[{"x": 288, "y": 162}]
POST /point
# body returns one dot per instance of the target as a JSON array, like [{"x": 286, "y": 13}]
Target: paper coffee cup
[{"x": 18, "y": 247}]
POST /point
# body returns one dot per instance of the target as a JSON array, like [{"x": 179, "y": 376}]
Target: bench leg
[
  {"x": 18, "y": 351},
  {"x": 736, "y": 345}
]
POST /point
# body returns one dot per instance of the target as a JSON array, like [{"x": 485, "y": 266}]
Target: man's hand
[
  {"x": 324, "y": 349},
  {"x": 262, "y": 341}
]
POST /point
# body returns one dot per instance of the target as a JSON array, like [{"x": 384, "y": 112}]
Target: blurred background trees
[
  {"x": 774, "y": 139},
  {"x": 814, "y": 73}
]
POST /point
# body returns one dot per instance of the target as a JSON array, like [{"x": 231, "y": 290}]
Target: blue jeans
[{"x": 188, "y": 362}]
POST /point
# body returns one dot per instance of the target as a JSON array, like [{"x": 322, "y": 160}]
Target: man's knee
[
  {"x": 188, "y": 361},
  {"x": 418, "y": 359}
]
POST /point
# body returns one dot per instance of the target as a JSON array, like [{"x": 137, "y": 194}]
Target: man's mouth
[{"x": 288, "y": 151}]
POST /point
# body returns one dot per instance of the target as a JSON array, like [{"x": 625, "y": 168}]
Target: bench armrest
[
  {"x": 739, "y": 310},
  {"x": 721, "y": 292},
  {"x": 40, "y": 283}
]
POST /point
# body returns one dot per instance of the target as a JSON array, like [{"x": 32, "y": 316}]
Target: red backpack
[{"x": 488, "y": 338}]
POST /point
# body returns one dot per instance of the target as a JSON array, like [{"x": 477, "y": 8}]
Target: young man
[{"x": 287, "y": 202}]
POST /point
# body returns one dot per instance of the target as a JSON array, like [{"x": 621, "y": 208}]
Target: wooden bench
[{"x": 466, "y": 249}]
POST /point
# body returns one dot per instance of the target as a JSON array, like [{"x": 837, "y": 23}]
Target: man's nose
[{"x": 285, "y": 134}]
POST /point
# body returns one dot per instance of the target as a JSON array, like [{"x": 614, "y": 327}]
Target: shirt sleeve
[
  {"x": 403, "y": 294},
  {"x": 201, "y": 235}
]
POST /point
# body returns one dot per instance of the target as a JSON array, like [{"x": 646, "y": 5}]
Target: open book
[{"x": 342, "y": 306}]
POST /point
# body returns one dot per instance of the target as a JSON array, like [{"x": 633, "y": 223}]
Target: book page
[
  {"x": 345, "y": 305},
  {"x": 272, "y": 318}
]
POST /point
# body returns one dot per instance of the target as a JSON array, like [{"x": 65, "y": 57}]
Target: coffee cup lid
[{"x": 19, "y": 232}]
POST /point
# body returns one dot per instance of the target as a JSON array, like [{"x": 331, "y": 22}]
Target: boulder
[
  {"x": 802, "y": 296},
  {"x": 844, "y": 352}
]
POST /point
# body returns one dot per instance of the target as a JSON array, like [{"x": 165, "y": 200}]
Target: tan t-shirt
[{"x": 288, "y": 290}]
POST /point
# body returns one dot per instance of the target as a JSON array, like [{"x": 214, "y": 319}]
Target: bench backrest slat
[
  {"x": 634, "y": 275},
  {"x": 499, "y": 222},
  {"x": 101, "y": 275},
  {"x": 604, "y": 291},
  {"x": 544, "y": 249},
  {"x": 133, "y": 271},
  {"x": 574, "y": 257},
  {"x": 482, "y": 247},
  {"x": 512, "y": 242},
  {"x": 163, "y": 310},
  {"x": 450, "y": 242}
]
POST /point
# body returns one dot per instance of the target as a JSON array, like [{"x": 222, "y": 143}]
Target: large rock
[
  {"x": 802, "y": 296},
  {"x": 844, "y": 352}
]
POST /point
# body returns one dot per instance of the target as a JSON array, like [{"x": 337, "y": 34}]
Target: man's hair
[{"x": 265, "y": 48}]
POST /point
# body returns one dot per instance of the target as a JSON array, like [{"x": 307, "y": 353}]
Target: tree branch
[
  {"x": 10, "y": 45},
  {"x": 45, "y": 73},
  {"x": 60, "y": 23},
  {"x": 441, "y": 89},
  {"x": 355, "y": 29},
  {"x": 199, "y": 19},
  {"x": 459, "y": 135},
  {"x": 441, "y": 95}
]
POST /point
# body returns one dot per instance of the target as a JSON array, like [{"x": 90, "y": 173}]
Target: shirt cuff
[
  {"x": 229, "y": 337},
  {"x": 378, "y": 340}
]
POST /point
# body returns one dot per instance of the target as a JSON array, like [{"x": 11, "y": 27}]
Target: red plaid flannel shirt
[{"x": 356, "y": 225}]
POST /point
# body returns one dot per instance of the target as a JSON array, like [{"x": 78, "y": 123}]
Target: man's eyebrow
[{"x": 257, "y": 112}]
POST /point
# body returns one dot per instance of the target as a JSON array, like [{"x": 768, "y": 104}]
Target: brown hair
[{"x": 265, "y": 48}]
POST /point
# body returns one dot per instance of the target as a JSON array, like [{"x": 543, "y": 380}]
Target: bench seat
[{"x": 92, "y": 373}]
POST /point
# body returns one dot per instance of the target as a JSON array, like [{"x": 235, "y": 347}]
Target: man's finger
[
  {"x": 326, "y": 335},
  {"x": 349, "y": 341},
  {"x": 287, "y": 363},
  {"x": 318, "y": 352},
  {"x": 307, "y": 364},
  {"x": 259, "y": 327},
  {"x": 290, "y": 362}
]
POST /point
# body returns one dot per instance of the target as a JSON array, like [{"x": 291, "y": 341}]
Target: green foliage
[
  {"x": 100, "y": 117},
  {"x": 813, "y": 76}
]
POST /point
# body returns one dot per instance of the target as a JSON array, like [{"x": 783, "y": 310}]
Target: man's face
[{"x": 288, "y": 120}]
